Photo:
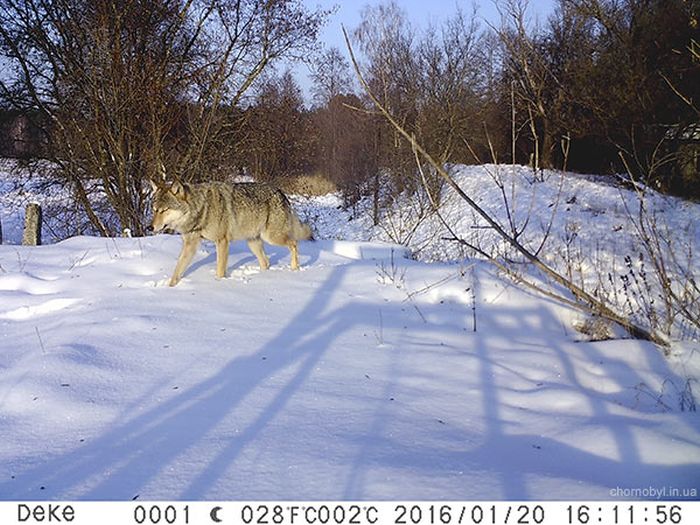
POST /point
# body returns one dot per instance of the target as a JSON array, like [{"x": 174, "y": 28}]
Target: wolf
[{"x": 224, "y": 212}]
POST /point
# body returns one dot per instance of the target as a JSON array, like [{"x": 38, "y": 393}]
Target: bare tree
[
  {"x": 529, "y": 81},
  {"x": 452, "y": 76},
  {"x": 620, "y": 65},
  {"x": 276, "y": 129},
  {"x": 580, "y": 298},
  {"x": 331, "y": 76},
  {"x": 127, "y": 84},
  {"x": 388, "y": 42},
  {"x": 345, "y": 144},
  {"x": 344, "y": 133}
]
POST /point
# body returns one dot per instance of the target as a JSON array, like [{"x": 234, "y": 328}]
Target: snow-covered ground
[{"x": 365, "y": 375}]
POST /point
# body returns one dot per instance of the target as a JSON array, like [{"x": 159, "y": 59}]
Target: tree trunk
[{"x": 32, "y": 225}]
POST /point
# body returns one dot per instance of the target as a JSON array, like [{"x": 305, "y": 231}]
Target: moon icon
[{"x": 214, "y": 514}]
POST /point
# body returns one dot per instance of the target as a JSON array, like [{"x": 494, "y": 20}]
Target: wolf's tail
[{"x": 301, "y": 230}]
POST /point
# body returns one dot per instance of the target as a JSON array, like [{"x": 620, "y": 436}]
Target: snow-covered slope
[
  {"x": 585, "y": 207},
  {"x": 585, "y": 227}
]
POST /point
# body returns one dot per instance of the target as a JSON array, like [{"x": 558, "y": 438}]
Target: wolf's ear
[{"x": 179, "y": 190}]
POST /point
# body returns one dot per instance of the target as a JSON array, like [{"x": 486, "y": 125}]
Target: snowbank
[
  {"x": 365, "y": 375},
  {"x": 333, "y": 382}
]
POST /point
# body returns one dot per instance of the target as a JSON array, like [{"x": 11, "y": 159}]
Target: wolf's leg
[
  {"x": 221, "y": 257},
  {"x": 189, "y": 246},
  {"x": 295, "y": 254},
  {"x": 283, "y": 239},
  {"x": 256, "y": 246}
]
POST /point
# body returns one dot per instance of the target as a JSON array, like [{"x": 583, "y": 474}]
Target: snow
[
  {"x": 365, "y": 375},
  {"x": 583, "y": 226}
]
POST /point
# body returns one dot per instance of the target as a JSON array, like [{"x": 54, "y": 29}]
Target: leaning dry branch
[
  {"x": 659, "y": 248},
  {"x": 517, "y": 277},
  {"x": 587, "y": 302}
]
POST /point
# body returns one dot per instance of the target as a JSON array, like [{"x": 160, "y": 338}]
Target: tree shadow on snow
[
  {"x": 122, "y": 462},
  {"x": 240, "y": 256},
  {"x": 118, "y": 464},
  {"x": 511, "y": 461}
]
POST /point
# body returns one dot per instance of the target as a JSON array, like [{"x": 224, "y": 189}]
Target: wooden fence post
[{"x": 32, "y": 225}]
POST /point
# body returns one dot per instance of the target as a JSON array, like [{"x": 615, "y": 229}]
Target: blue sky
[{"x": 419, "y": 12}]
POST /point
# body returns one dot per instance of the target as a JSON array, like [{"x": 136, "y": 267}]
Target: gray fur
[{"x": 223, "y": 213}]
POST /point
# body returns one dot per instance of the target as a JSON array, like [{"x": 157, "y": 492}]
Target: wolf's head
[{"x": 170, "y": 206}]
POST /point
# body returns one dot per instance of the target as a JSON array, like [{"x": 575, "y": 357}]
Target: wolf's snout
[{"x": 156, "y": 227}]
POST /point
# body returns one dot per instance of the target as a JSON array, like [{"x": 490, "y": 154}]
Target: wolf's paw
[
  {"x": 244, "y": 273},
  {"x": 158, "y": 283}
]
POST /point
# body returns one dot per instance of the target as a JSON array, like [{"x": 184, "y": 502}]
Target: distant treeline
[
  {"x": 604, "y": 86},
  {"x": 109, "y": 90}
]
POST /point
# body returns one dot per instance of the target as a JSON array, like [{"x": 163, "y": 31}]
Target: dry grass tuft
[{"x": 308, "y": 185}]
